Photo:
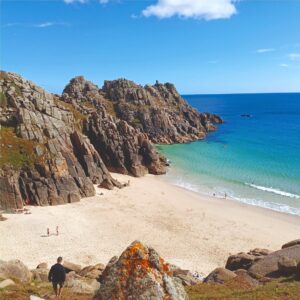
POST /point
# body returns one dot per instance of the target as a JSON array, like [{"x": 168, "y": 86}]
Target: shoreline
[
  {"x": 207, "y": 196},
  {"x": 194, "y": 231}
]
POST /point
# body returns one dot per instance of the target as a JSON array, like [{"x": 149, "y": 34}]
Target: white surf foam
[
  {"x": 219, "y": 193},
  {"x": 274, "y": 191},
  {"x": 270, "y": 205}
]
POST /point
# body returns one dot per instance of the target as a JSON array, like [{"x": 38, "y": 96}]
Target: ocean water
[{"x": 254, "y": 160}]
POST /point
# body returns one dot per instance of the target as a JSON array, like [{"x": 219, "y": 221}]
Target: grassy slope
[
  {"x": 43, "y": 290},
  {"x": 281, "y": 289}
]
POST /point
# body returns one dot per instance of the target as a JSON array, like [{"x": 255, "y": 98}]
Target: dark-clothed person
[{"x": 57, "y": 276}]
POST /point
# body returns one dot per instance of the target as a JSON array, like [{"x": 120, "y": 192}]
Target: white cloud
[
  {"x": 38, "y": 25},
  {"x": 74, "y": 1},
  {"x": 265, "y": 50},
  {"x": 197, "y": 9},
  {"x": 294, "y": 56},
  {"x": 84, "y": 1},
  {"x": 284, "y": 65},
  {"x": 43, "y": 25}
]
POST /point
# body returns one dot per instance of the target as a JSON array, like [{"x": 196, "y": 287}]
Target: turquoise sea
[{"x": 255, "y": 160}]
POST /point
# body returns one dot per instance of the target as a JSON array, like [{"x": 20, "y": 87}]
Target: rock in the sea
[
  {"x": 268, "y": 266},
  {"x": 139, "y": 273},
  {"x": 219, "y": 275},
  {"x": 5, "y": 283},
  {"x": 15, "y": 269},
  {"x": 291, "y": 243}
]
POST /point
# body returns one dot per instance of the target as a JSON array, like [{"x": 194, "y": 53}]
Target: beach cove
[{"x": 188, "y": 229}]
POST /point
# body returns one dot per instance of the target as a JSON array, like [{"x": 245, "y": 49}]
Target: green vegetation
[
  {"x": 44, "y": 290},
  {"x": 281, "y": 289},
  {"x": 17, "y": 89},
  {"x": 78, "y": 116},
  {"x": 110, "y": 107},
  {"x": 15, "y": 151},
  {"x": 88, "y": 104},
  {"x": 136, "y": 121}
]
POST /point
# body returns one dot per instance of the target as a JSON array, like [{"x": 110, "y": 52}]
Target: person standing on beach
[{"x": 57, "y": 276}]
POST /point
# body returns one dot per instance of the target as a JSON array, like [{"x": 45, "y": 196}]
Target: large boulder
[
  {"x": 15, "y": 269},
  {"x": 220, "y": 275},
  {"x": 81, "y": 285},
  {"x": 268, "y": 266},
  {"x": 69, "y": 267},
  {"x": 291, "y": 243},
  {"x": 287, "y": 266},
  {"x": 241, "y": 273},
  {"x": 139, "y": 273},
  {"x": 186, "y": 277},
  {"x": 5, "y": 283},
  {"x": 245, "y": 260},
  {"x": 239, "y": 261},
  {"x": 40, "y": 274},
  {"x": 92, "y": 272}
]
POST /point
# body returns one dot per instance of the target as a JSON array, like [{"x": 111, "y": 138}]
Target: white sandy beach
[{"x": 193, "y": 231}]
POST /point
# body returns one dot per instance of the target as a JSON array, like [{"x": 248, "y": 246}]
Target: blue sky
[{"x": 203, "y": 46}]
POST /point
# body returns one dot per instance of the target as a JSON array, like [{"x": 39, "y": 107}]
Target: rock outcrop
[
  {"x": 245, "y": 260},
  {"x": 220, "y": 275},
  {"x": 259, "y": 266},
  {"x": 278, "y": 263},
  {"x": 139, "y": 273},
  {"x": 15, "y": 269},
  {"x": 45, "y": 159},
  {"x": 55, "y": 148},
  {"x": 159, "y": 111},
  {"x": 123, "y": 148}
]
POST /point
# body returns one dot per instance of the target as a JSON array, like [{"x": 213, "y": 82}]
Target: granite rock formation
[
  {"x": 45, "y": 159},
  {"x": 159, "y": 111},
  {"x": 139, "y": 273},
  {"x": 260, "y": 265},
  {"x": 123, "y": 148},
  {"x": 55, "y": 148}
]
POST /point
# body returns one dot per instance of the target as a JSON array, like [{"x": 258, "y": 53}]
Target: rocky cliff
[
  {"x": 159, "y": 111},
  {"x": 54, "y": 148}
]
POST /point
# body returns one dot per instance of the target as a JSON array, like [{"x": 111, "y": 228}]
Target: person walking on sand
[
  {"x": 48, "y": 232},
  {"x": 57, "y": 232},
  {"x": 57, "y": 276}
]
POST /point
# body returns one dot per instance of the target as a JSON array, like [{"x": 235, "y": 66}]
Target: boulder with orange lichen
[{"x": 139, "y": 273}]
